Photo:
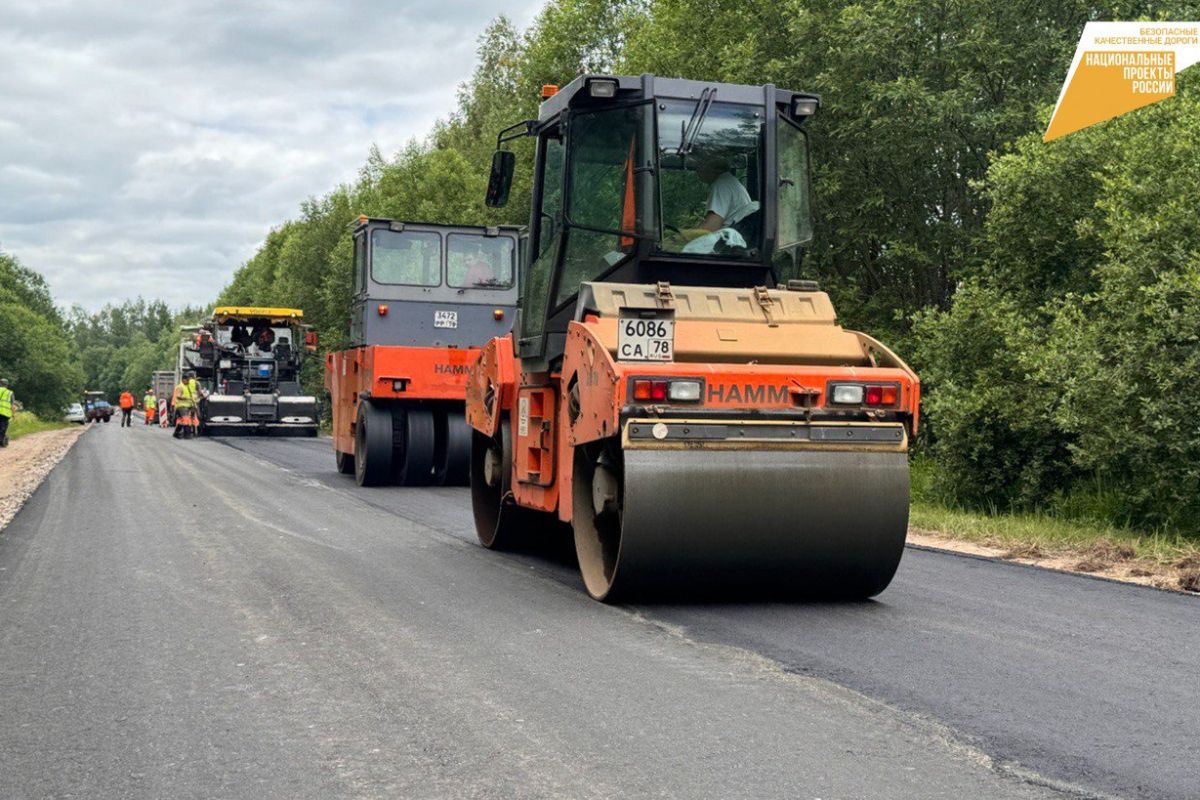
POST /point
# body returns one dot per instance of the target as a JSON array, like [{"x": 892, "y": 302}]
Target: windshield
[
  {"x": 255, "y": 337},
  {"x": 413, "y": 258},
  {"x": 480, "y": 262},
  {"x": 710, "y": 178}
]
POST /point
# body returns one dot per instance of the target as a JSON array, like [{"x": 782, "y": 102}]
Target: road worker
[
  {"x": 149, "y": 405},
  {"x": 185, "y": 400},
  {"x": 6, "y": 410},
  {"x": 126, "y": 403}
]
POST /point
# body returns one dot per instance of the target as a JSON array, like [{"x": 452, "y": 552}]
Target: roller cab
[
  {"x": 674, "y": 390},
  {"x": 426, "y": 297}
]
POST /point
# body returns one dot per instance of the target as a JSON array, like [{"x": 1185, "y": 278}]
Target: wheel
[
  {"x": 345, "y": 462},
  {"x": 453, "y": 449},
  {"x": 372, "y": 445},
  {"x": 414, "y": 446},
  {"x": 106, "y": 419}
]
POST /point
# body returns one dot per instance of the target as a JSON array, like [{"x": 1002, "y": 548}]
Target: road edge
[{"x": 45, "y": 458}]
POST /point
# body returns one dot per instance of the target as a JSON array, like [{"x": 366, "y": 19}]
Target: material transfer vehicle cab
[
  {"x": 426, "y": 297},
  {"x": 673, "y": 388}
]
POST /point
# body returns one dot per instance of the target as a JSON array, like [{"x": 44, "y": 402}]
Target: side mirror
[
  {"x": 500, "y": 181},
  {"x": 310, "y": 341}
]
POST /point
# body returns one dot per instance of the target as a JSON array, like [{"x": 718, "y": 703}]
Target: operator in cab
[{"x": 728, "y": 204}]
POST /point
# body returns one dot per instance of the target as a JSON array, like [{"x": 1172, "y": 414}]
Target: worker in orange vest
[{"x": 126, "y": 409}]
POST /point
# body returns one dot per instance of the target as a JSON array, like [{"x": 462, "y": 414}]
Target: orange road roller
[
  {"x": 426, "y": 297},
  {"x": 673, "y": 389}
]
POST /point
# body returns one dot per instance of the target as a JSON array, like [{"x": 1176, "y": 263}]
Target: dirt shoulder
[
  {"x": 1102, "y": 558},
  {"x": 26, "y": 462}
]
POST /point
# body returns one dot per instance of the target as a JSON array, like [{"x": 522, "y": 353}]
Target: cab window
[
  {"x": 410, "y": 258},
  {"x": 480, "y": 262},
  {"x": 606, "y": 154}
]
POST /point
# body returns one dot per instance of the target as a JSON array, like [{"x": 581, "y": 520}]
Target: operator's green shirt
[{"x": 6, "y": 401}]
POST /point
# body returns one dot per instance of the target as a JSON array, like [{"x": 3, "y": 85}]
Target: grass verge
[
  {"x": 25, "y": 422},
  {"x": 1165, "y": 559}
]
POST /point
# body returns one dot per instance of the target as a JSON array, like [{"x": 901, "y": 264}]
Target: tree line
[
  {"x": 51, "y": 357},
  {"x": 1046, "y": 293}
]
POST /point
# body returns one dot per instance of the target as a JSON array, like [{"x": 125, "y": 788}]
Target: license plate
[
  {"x": 646, "y": 336},
  {"x": 445, "y": 319}
]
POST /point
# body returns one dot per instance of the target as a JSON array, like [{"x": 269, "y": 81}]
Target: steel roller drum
[{"x": 701, "y": 523}]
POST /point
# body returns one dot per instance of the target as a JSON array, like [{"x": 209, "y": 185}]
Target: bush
[
  {"x": 1064, "y": 374},
  {"x": 991, "y": 425}
]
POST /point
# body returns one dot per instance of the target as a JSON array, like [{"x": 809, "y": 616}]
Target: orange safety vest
[{"x": 126, "y": 400}]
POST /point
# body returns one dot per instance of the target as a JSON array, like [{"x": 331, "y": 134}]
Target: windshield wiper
[{"x": 688, "y": 139}]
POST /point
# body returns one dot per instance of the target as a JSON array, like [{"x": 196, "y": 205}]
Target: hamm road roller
[
  {"x": 673, "y": 389},
  {"x": 426, "y": 297}
]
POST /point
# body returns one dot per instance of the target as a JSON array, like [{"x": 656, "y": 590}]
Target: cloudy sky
[{"x": 148, "y": 147}]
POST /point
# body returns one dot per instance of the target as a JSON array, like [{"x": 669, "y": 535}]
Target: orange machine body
[
  {"x": 550, "y": 416},
  {"x": 390, "y": 372}
]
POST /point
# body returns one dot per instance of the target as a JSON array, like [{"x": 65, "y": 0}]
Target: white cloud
[{"x": 148, "y": 148}]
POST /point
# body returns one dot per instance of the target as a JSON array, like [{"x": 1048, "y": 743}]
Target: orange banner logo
[{"x": 1119, "y": 67}]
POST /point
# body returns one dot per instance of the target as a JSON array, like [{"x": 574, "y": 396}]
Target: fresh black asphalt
[{"x": 232, "y": 618}]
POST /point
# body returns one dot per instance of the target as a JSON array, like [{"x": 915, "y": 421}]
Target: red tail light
[
  {"x": 649, "y": 390},
  {"x": 880, "y": 395}
]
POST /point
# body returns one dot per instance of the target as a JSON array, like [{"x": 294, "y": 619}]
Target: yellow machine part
[
  {"x": 740, "y": 325},
  {"x": 223, "y": 314}
]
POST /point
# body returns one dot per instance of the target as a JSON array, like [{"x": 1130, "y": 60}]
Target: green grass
[
  {"x": 25, "y": 422},
  {"x": 1061, "y": 531}
]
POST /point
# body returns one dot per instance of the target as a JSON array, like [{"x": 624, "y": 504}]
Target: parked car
[
  {"x": 75, "y": 413},
  {"x": 99, "y": 410}
]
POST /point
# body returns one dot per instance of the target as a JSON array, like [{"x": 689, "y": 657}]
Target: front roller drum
[{"x": 708, "y": 523}]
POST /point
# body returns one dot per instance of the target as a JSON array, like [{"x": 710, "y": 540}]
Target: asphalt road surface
[{"x": 231, "y": 618}]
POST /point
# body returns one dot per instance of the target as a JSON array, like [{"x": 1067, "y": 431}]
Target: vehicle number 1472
[{"x": 645, "y": 339}]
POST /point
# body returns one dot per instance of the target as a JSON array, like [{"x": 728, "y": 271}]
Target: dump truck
[
  {"x": 674, "y": 389},
  {"x": 163, "y": 382},
  {"x": 247, "y": 361},
  {"x": 426, "y": 297}
]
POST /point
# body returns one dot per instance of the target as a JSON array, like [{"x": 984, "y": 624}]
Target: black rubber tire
[
  {"x": 454, "y": 448},
  {"x": 415, "y": 446},
  {"x": 106, "y": 419},
  {"x": 373, "y": 445},
  {"x": 345, "y": 462}
]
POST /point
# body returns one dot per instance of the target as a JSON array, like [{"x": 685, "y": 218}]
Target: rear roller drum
[
  {"x": 372, "y": 445},
  {"x": 453, "y": 449},
  {"x": 500, "y": 524},
  {"x": 415, "y": 444},
  {"x": 708, "y": 523},
  {"x": 345, "y": 462}
]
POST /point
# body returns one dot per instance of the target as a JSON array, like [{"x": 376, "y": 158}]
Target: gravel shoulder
[
  {"x": 26, "y": 462},
  {"x": 1102, "y": 559}
]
